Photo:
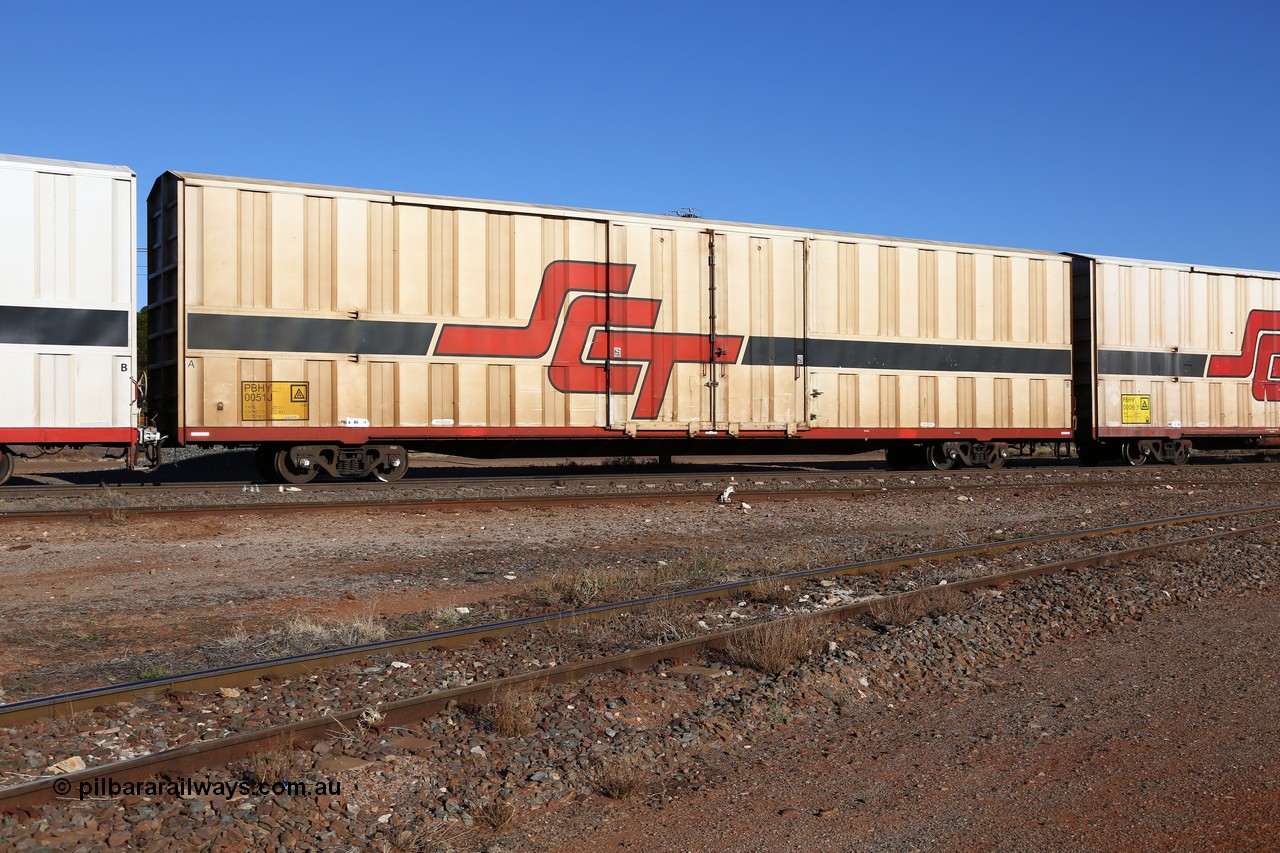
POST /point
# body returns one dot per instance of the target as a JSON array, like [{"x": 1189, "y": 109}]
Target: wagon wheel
[
  {"x": 994, "y": 458},
  {"x": 939, "y": 458},
  {"x": 391, "y": 473},
  {"x": 1131, "y": 452},
  {"x": 290, "y": 473},
  {"x": 1181, "y": 453},
  {"x": 6, "y": 465}
]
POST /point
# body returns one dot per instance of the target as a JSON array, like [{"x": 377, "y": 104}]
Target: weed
[
  {"x": 512, "y": 712},
  {"x": 777, "y": 712},
  {"x": 300, "y": 635},
  {"x": 774, "y": 646},
  {"x": 941, "y": 600},
  {"x": 153, "y": 671},
  {"x": 771, "y": 590},
  {"x": 115, "y": 515},
  {"x": 274, "y": 764},
  {"x": 369, "y": 718},
  {"x": 667, "y": 621},
  {"x": 616, "y": 776},
  {"x": 428, "y": 836},
  {"x": 895, "y": 610},
  {"x": 495, "y": 813},
  {"x": 449, "y": 617},
  {"x": 584, "y": 588},
  {"x": 698, "y": 566}
]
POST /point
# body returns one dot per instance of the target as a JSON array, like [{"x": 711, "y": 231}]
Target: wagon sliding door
[
  {"x": 677, "y": 340},
  {"x": 761, "y": 283}
]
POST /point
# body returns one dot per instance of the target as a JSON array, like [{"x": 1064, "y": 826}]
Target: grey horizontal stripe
[
  {"x": 64, "y": 327},
  {"x": 303, "y": 334},
  {"x": 892, "y": 355},
  {"x": 1127, "y": 363}
]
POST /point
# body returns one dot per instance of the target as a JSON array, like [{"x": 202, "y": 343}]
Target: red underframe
[
  {"x": 1190, "y": 432},
  {"x": 361, "y": 435},
  {"x": 68, "y": 435}
]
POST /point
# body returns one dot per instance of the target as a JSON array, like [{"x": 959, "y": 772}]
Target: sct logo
[
  {"x": 1259, "y": 356},
  {"x": 598, "y": 326}
]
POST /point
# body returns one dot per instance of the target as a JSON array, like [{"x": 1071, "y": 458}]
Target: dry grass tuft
[
  {"x": 513, "y": 713},
  {"x": 495, "y": 814},
  {"x": 693, "y": 570},
  {"x": 449, "y": 617},
  {"x": 775, "y": 646},
  {"x": 594, "y": 585},
  {"x": 275, "y": 763},
  {"x": 896, "y": 610},
  {"x": 369, "y": 718},
  {"x": 616, "y": 776},
  {"x": 941, "y": 600},
  {"x": 590, "y": 586},
  {"x": 667, "y": 621},
  {"x": 429, "y": 836},
  {"x": 301, "y": 634},
  {"x": 772, "y": 590},
  {"x": 115, "y": 516}
]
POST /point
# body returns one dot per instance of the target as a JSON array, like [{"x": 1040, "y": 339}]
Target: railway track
[
  {"x": 207, "y": 753},
  {"x": 119, "y": 502}
]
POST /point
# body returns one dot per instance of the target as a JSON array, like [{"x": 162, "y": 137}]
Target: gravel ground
[
  {"x": 92, "y": 602},
  {"x": 722, "y": 757}
]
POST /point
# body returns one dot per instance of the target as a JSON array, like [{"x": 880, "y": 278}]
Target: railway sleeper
[{"x": 300, "y": 463}]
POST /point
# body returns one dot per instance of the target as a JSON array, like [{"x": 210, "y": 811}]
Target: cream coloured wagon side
[
  {"x": 336, "y": 327},
  {"x": 67, "y": 307},
  {"x": 1170, "y": 354}
]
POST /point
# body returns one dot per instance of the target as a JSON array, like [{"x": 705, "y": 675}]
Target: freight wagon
[
  {"x": 67, "y": 309},
  {"x": 336, "y": 328},
  {"x": 1169, "y": 354}
]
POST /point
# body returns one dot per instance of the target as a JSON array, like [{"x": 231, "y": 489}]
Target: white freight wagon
[{"x": 67, "y": 307}]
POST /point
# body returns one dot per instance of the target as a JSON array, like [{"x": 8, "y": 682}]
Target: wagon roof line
[
  {"x": 590, "y": 213},
  {"x": 65, "y": 164},
  {"x": 1180, "y": 267}
]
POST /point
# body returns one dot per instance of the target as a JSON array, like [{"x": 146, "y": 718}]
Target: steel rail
[
  {"x": 67, "y": 704},
  {"x": 203, "y": 754},
  {"x": 777, "y": 470},
  {"x": 550, "y": 500}
]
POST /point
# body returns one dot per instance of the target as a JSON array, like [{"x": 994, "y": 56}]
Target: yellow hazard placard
[
  {"x": 1135, "y": 408},
  {"x": 274, "y": 401}
]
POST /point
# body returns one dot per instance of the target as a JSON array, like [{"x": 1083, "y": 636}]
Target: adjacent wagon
[
  {"x": 1169, "y": 356},
  {"x": 67, "y": 308},
  {"x": 337, "y": 328}
]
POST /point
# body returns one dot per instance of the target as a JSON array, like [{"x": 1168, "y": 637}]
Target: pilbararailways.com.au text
[{"x": 107, "y": 788}]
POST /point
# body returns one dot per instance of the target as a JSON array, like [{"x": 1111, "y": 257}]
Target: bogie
[{"x": 301, "y": 463}]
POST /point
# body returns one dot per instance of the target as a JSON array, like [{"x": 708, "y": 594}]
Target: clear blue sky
[{"x": 1141, "y": 129}]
